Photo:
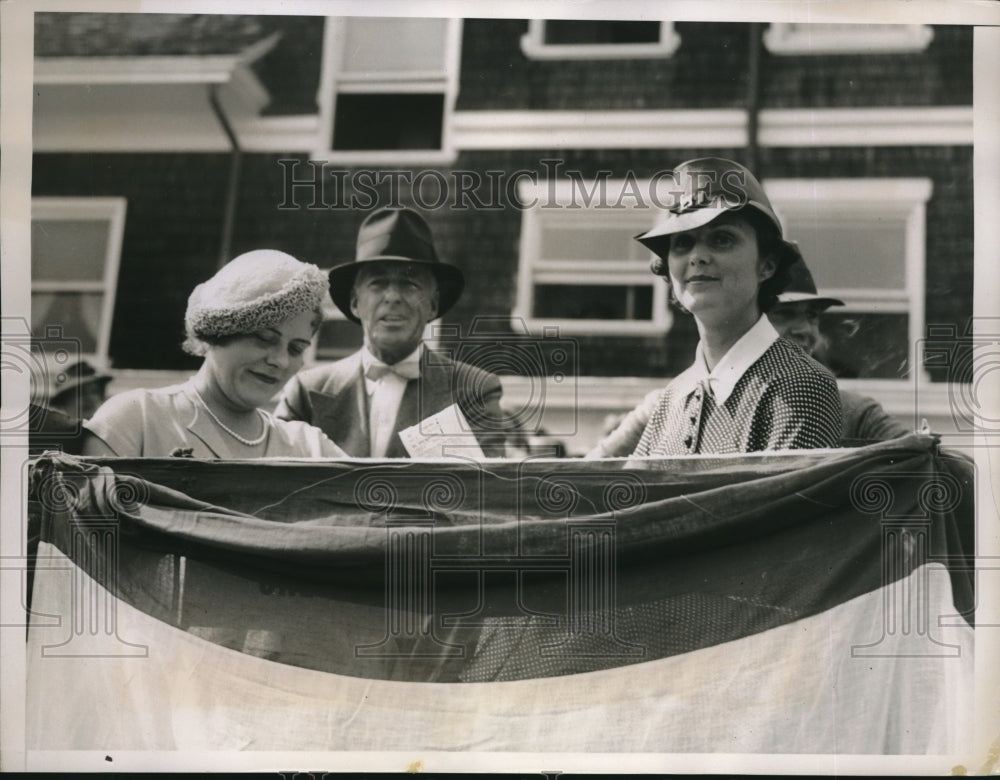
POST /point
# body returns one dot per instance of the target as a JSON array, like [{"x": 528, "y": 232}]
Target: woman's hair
[
  {"x": 769, "y": 244},
  {"x": 198, "y": 345}
]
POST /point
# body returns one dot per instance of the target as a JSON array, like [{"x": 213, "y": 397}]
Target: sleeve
[
  {"x": 119, "y": 423},
  {"x": 328, "y": 449},
  {"x": 302, "y": 440},
  {"x": 294, "y": 402},
  {"x": 800, "y": 411},
  {"x": 622, "y": 441},
  {"x": 865, "y": 420}
]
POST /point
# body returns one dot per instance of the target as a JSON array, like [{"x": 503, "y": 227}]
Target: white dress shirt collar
[
  {"x": 747, "y": 350},
  {"x": 368, "y": 360}
]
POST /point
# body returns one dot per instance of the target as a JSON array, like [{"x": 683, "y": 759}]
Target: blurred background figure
[
  {"x": 62, "y": 403},
  {"x": 796, "y": 316},
  {"x": 78, "y": 390}
]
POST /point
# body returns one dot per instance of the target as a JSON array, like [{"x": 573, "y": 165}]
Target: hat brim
[
  {"x": 450, "y": 281},
  {"x": 75, "y": 384},
  {"x": 660, "y": 234},
  {"x": 797, "y": 297},
  {"x": 657, "y": 238}
]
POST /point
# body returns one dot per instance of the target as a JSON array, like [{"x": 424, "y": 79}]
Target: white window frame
[
  {"x": 333, "y": 83},
  {"x": 534, "y": 47},
  {"x": 902, "y": 199},
  {"x": 532, "y": 270},
  {"x": 111, "y": 211},
  {"x": 790, "y": 39}
]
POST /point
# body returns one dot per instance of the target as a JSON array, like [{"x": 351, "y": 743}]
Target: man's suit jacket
[{"x": 333, "y": 398}]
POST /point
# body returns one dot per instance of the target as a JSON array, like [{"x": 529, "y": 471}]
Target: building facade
[{"x": 536, "y": 150}]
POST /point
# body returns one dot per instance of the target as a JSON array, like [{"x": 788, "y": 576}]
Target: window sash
[
  {"x": 533, "y": 45},
  {"x": 109, "y": 211},
  {"x": 610, "y": 272},
  {"x": 334, "y": 81}
]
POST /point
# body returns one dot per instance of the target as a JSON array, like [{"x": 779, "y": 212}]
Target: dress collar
[{"x": 734, "y": 364}]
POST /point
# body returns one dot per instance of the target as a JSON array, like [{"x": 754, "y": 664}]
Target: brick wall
[
  {"x": 939, "y": 76},
  {"x": 708, "y": 70}
]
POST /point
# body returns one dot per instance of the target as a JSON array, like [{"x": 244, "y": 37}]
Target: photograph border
[{"x": 16, "y": 29}]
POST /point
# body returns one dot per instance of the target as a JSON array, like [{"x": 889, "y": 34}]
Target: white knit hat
[{"x": 256, "y": 290}]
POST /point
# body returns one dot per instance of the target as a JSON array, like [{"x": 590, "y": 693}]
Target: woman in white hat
[
  {"x": 252, "y": 322},
  {"x": 724, "y": 257}
]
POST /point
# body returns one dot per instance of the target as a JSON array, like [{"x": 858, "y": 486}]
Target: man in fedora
[
  {"x": 78, "y": 390},
  {"x": 393, "y": 288},
  {"x": 795, "y": 316}
]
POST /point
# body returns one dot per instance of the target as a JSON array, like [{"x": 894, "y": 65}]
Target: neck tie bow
[{"x": 406, "y": 369}]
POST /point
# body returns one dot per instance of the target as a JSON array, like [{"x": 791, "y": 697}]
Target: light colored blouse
[{"x": 154, "y": 423}]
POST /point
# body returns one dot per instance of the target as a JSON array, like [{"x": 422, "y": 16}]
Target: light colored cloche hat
[
  {"x": 704, "y": 189},
  {"x": 400, "y": 235},
  {"x": 255, "y": 290}
]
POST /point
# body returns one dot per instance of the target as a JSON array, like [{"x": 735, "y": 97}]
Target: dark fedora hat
[
  {"x": 704, "y": 189},
  {"x": 74, "y": 376},
  {"x": 398, "y": 235},
  {"x": 801, "y": 287}
]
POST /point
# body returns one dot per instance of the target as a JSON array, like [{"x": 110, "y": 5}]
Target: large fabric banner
[{"x": 814, "y": 602}]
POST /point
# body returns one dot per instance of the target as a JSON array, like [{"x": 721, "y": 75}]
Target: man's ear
[
  {"x": 354, "y": 304},
  {"x": 766, "y": 268},
  {"x": 435, "y": 297}
]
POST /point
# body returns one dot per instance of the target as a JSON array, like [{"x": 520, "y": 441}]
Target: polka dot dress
[{"x": 784, "y": 401}]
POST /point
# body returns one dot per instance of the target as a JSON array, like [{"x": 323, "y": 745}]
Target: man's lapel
[{"x": 341, "y": 410}]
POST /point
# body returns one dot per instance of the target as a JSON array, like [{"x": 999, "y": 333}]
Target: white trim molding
[
  {"x": 118, "y": 124},
  {"x": 811, "y": 39},
  {"x": 134, "y": 70},
  {"x": 137, "y": 104},
  {"x": 924, "y": 126},
  {"x": 706, "y": 128},
  {"x": 599, "y": 129},
  {"x": 534, "y": 47}
]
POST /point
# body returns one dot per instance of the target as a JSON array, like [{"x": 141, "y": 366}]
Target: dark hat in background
[
  {"x": 801, "y": 286},
  {"x": 74, "y": 376},
  {"x": 397, "y": 235},
  {"x": 704, "y": 189}
]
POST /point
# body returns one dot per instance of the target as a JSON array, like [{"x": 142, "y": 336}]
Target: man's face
[
  {"x": 798, "y": 322},
  {"x": 394, "y": 301}
]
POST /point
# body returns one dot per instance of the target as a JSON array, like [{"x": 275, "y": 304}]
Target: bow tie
[{"x": 407, "y": 370}]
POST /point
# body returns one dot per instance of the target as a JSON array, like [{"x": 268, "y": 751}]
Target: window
[
  {"x": 388, "y": 87},
  {"x": 338, "y": 337},
  {"x": 863, "y": 240},
  {"x": 846, "y": 38},
  {"x": 75, "y": 252},
  {"x": 597, "y": 39},
  {"x": 580, "y": 267}
]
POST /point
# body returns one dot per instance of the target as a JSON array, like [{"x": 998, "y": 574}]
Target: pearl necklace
[{"x": 230, "y": 431}]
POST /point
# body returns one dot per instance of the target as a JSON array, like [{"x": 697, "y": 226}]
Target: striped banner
[{"x": 812, "y": 602}]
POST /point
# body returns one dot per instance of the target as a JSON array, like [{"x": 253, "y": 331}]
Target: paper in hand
[{"x": 442, "y": 435}]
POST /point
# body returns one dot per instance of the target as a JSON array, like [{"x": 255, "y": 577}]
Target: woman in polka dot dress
[{"x": 722, "y": 252}]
